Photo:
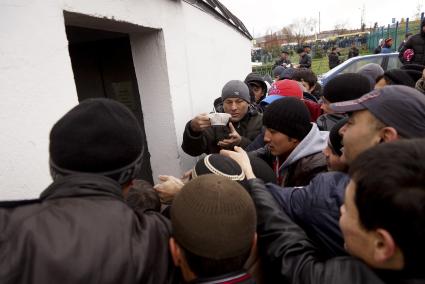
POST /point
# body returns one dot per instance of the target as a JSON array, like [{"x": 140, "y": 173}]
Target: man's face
[
  {"x": 360, "y": 133},
  {"x": 236, "y": 107},
  {"x": 333, "y": 161},
  {"x": 279, "y": 143},
  {"x": 307, "y": 86},
  {"x": 257, "y": 90},
  {"x": 358, "y": 241},
  {"x": 284, "y": 55}
]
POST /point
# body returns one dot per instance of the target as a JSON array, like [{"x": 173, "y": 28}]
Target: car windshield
[
  {"x": 356, "y": 65},
  {"x": 393, "y": 62}
]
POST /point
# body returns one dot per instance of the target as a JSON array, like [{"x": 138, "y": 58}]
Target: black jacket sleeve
[
  {"x": 287, "y": 247},
  {"x": 197, "y": 143}
]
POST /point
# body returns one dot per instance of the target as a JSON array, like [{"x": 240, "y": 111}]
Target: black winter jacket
[
  {"x": 315, "y": 208},
  {"x": 333, "y": 60},
  {"x": 197, "y": 143},
  {"x": 326, "y": 121},
  {"x": 305, "y": 61},
  {"x": 288, "y": 250},
  {"x": 417, "y": 43},
  {"x": 82, "y": 231}
]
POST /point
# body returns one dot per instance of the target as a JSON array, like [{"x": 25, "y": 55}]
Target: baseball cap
[{"x": 397, "y": 106}]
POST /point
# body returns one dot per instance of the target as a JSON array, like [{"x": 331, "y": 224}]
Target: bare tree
[
  {"x": 340, "y": 28},
  {"x": 418, "y": 11},
  {"x": 287, "y": 34},
  {"x": 301, "y": 28}
]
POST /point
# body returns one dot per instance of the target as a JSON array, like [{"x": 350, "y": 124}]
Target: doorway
[{"x": 103, "y": 68}]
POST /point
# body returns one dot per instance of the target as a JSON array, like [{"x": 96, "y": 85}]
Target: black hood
[
  {"x": 422, "y": 25},
  {"x": 255, "y": 77}
]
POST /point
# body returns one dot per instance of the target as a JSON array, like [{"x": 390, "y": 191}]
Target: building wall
[{"x": 180, "y": 65}]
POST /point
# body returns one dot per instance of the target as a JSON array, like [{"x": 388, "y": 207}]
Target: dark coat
[
  {"x": 333, "y": 60},
  {"x": 82, "y": 231},
  {"x": 197, "y": 143},
  {"x": 417, "y": 43},
  {"x": 354, "y": 51},
  {"x": 315, "y": 208},
  {"x": 288, "y": 250},
  {"x": 280, "y": 62},
  {"x": 305, "y": 61},
  {"x": 326, "y": 121}
]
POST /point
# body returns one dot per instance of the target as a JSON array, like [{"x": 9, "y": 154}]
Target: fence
[{"x": 395, "y": 31}]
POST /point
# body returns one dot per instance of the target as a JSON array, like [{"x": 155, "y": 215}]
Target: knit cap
[
  {"x": 287, "y": 73},
  {"x": 289, "y": 116},
  {"x": 100, "y": 136},
  {"x": 399, "y": 77},
  {"x": 347, "y": 86},
  {"x": 236, "y": 89},
  {"x": 277, "y": 71},
  {"x": 414, "y": 70},
  {"x": 214, "y": 217},
  {"x": 371, "y": 71}
]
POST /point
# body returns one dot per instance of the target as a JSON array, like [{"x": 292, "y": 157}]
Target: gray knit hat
[
  {"x": 236, "y": 89},
  {"x": 372, "y": 71},
  {"x": 214, "y": 217}
]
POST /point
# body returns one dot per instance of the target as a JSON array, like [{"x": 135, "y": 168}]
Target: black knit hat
[
  {"x": 214, "y": 217},
  {"x": 399, "y": 77},
  {"x": 414, "y": 70},
  {"x": 98, "y": 136},
  {"x": 335, "y": 139},
  {"x": 347, "y": 86},
  {"x": 289, "y": 116}
]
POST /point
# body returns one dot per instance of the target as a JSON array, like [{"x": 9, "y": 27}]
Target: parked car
[{"x": 387, "y": 61}]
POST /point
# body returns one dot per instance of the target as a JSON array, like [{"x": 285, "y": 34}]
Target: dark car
[{"x": 387, "y": 61}]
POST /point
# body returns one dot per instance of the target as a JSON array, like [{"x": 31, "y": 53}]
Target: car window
[
  {"x": 393, "y": 62},
  {"x": 356, "y": 65}
]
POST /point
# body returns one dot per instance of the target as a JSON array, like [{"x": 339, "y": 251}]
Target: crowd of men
[{"x": 295, "y": 183}]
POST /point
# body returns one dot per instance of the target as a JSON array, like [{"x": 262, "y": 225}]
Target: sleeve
[
  {"x": 253, "y": 129},
  {"x": 308, "y": 62},
  {"x": 407, "y": 45},
  {"x": 289, "y": 250},
  {"x": 257, "y": 143},
  {"x": 152, "y": 240},
  {"x": 291, "y": 200},
  {"x": 194, "y": 143}
]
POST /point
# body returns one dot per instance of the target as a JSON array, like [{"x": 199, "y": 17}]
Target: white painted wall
[{"x": 180, "y": 72}]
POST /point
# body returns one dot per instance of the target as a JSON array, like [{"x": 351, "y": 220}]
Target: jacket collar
[
  {"x": 314, "y": 142},
  {"x": 77, "y": 185},
  {"x": 230, "y": 278}
]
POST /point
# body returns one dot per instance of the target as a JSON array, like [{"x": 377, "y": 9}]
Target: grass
[{"x": 318, "y": 66}]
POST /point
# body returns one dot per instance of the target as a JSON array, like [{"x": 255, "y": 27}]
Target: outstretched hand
[
  {"x": 233, "y": 140},
  {"x": 168, "y": 188},
  {"x": 241, "y": 157}
]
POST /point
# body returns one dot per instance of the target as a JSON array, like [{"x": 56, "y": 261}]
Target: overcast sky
[{"x": 259, "y": 16}]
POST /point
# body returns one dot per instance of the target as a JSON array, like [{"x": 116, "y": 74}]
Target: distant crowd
[{"x": 294, "y": 183}]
